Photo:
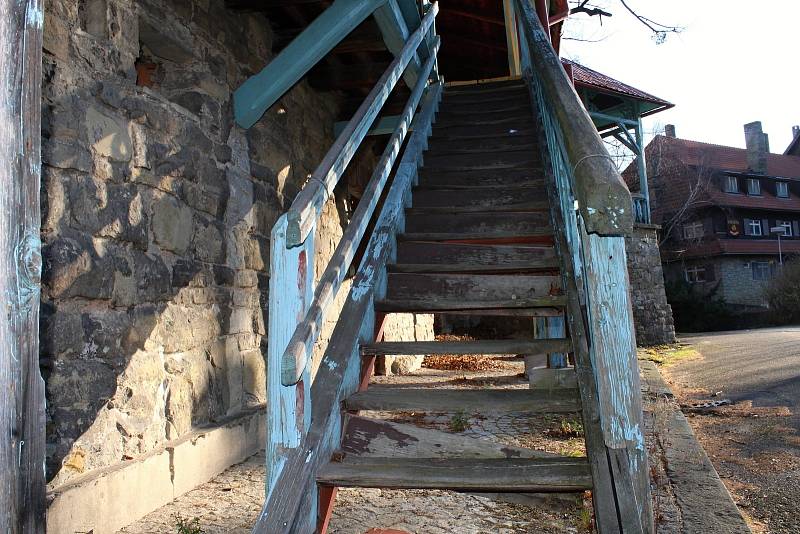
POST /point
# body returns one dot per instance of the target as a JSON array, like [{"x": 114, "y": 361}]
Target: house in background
[{"x": 729, "y": 216}]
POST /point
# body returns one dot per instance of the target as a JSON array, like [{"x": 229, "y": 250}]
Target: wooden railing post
[
  {"x": 22, "y": 403},
  {"x": 291, "y": 288}
]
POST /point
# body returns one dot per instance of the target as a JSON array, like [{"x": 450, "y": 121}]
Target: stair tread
[
  {"x": 469, "y": 474},
  {"x": 427, "y": 306},
  {"x": 503, "y": 208},
  {"x": 394, "y": 399},
  {"x": 544, "y": 235},
  {"x": 477, "y": 199},
  {"x": 541, "y": 266},
  {"x": 476, "y": 347}
]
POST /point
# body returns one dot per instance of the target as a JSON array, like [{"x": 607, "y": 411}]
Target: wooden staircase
[{"x": 478, "y": 240}]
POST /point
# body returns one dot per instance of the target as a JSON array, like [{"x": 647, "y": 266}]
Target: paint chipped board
[
  {"x": 466, "y": 474},
  {"x": 481, "y": 401},
  {"x": 366, "y": 437}
]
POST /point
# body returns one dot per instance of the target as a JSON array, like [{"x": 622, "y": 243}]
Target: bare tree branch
[{"x": 660, "y": 31}]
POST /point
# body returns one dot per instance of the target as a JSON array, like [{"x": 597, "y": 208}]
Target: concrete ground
[
  {"x": 754, "y": 444},
  {"x": 762, "y": 366}
]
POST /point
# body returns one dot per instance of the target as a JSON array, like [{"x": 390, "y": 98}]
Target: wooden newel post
[{"x": 22, "y": 403}]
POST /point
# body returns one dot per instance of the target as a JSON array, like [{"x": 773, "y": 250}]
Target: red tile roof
[
  {"x": 728, "y": 158},
  {"x": 765, "y": 201},
  {"x": 596, "y": 80}
]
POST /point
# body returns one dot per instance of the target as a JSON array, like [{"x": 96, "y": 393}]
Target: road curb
[{"x": 704, "y": 502}]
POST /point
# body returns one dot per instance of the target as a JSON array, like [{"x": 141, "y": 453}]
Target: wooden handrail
[
  {"x": 307, "y": 332},
  {"x": 603, "y": 197},
  {"x": 308, "y": 204}
]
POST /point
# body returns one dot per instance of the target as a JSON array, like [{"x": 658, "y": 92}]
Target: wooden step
[
  {"x": 499, "y": 143},
  {"x": 513, "y": 121},
  {"x": 489, "y": 475},
  {"x": 476, "y": 348},
  {"x": 369, "y": 437},
  {"x": 491, "y": 256},
  {"x": 542, "y": 237},
  {"x": 490, "y": 128},
  {"x": 481, "y": 223},
  {"x": 473, "y": 291},
  {"x": 480, "y": 198},
  {"x": 484, "y": 88},
  {"x": 517, "y": 177},
  {"x": 456, "y": 112},
  {"x": 482, "y": 401},
  {"x": 516, "y": 100},
  {"x": 526, "y": 157}
]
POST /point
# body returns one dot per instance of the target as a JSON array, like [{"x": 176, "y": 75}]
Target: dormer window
[
  {"x": 731, "y": 184},
  {"x": 753, "y": 186},
  {"x": 782, "y": 189}
]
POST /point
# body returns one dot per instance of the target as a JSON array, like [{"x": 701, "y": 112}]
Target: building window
[
  {"x": 753, "y": 186},
  {"x": 782, "y": 189},
  {"x": 693, "y": 230},
  {"x": 695, "y": 275},
  {"x": 752, "y": 227},
  {"x": 787, "y": 227},
  {"x": 761, "y": 270},
  {"x": 731, "y": 184}
]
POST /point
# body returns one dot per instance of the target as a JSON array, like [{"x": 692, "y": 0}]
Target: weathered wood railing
[
  {"x": 641, "y": 209},
  {"x": 593, "y": 212},
  {"x": 304, "y": 419}
]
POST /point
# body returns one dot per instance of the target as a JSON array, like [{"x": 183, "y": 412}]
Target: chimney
[
  {"x": 795, "y": 131},
  {"x": 669, "y": 130},
  {"x": 757, "y": 144}
]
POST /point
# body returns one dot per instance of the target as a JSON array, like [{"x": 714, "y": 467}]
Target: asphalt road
[{"x": 760, "y": 365}]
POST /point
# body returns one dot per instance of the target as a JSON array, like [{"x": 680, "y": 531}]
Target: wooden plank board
[
  {"x": 22, "y": 406},
  {"x": 481, "y": 289},
  {"x": 514, "y": 101},
  {"x": 517, "y": 107},
  {"x": 541, "y": 267},
  {"x": 449, "y": 254},
  {"x": 522, "y": 176},
  {"x": 543, "y": 237},
  {"x": 502, "y": 475},
  {"x": 484, "y": 224},
  {"x": 477, "y": 347},
  {"x": 482, "y": 401},
  {"x": 500, "y": 142},
  {"x": 480, "y": 198},
  {"x": 511, "y": 121},
  {"x": 505, "y": 159},
  {"x": 366, "y": 437}
]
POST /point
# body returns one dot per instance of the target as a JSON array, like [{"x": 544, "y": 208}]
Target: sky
[{"x": 734, "y": 62}]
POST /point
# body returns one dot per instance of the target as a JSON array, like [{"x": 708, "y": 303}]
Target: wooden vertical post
[
  {"x": 644, "y": 187},
  {"x": 291, "y": 289},
  {"x": 512, "y": 38},
  {"x": 22, "y": 403}
]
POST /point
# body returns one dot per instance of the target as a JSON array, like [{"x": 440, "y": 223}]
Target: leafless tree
[{"x": 659, "y": 30}]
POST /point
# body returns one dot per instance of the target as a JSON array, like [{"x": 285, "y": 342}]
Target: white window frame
[
  {"x": 787, "y": 227},
  {"x": 695, "y": 274},
  {"x": 731, "y": 184},
  {"x": 754, "y": 184},
  {"x": 784, "y": 186},
  {"x": 694, "y": 230},
  {"x": 764, "y": 270},
  {"x": 755, "y": 227}
]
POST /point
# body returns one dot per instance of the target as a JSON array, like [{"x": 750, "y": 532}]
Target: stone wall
[
  {"x": 157, "y": 211},
  {"x": 737, "y": 287},
  {"x": 652, "y": 315}
]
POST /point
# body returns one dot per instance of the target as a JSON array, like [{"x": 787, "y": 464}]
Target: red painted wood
[
  {"x": 327, "y": 496},
  {"x": 368, "y": 364}
]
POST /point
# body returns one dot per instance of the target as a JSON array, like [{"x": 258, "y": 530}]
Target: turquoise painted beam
[
  {"x": 395, "y": 32},
  {"x": 259, "y": 92},
  {"x": 383, "y": 126}
]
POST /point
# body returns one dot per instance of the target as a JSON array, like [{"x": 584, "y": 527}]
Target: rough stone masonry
[{"x": 157, "y": 212}]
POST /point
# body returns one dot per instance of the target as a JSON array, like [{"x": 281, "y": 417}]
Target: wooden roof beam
[{"x": 259, "y": 92}]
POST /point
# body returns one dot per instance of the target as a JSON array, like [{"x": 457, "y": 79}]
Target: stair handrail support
[
  {"x": 297, "y": 311},
  {"x": 595, "y": 239}
]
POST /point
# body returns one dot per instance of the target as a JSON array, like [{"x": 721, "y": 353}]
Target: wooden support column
[
  {"x": 512, "y": 38},
  {"x": 22, "y": 403},
  {"x": 259, "y": 92},
  {"x": 644, "y": 187}
]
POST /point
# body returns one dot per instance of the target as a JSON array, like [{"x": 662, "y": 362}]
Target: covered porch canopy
[{"x": 617, "y": 109}]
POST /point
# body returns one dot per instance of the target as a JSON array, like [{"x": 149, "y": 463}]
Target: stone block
[
  {"x": 172, "y": 224},
  {"x": 66, "y": 154},
  {"x": 254, "y": 377},
  {"x": 209, "y": 244},
  {"x": 108, "y": 135},
  {"x": 57, "y": 37}
]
